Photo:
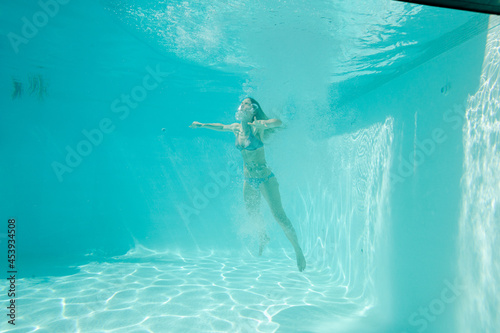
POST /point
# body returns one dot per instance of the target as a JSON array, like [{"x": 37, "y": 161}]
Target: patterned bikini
[{"x": 253, "y": 143}]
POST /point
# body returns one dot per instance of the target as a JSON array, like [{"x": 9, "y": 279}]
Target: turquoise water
[{"x": 127, "y": 220}]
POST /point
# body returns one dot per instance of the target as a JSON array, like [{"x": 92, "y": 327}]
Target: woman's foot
[
  {"x": 263, "y": 242},
  {"x": 301, "y": 261}
]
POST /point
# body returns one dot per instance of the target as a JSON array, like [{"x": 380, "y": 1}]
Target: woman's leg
[
  {"x": 252, "y": 203},
  {"x": 270, "y": 191}
]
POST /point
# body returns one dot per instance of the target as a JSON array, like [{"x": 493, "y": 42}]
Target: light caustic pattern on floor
[{"x": 171, "y": 293}]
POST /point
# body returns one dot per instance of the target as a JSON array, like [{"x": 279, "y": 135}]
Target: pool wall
[
  {"x": 428, "y": 104},
  {"x": 480, "y": 212}
]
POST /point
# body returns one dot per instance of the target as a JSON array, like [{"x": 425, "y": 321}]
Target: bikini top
[{"x": 251, "y": 143}]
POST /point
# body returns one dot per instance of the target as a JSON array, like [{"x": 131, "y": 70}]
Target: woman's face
[
  {"x": 246, "y": 110},
  {"x": 246, "y": 105}
]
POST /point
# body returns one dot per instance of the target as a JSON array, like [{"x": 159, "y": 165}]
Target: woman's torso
[{"x": 254, "y": 161}]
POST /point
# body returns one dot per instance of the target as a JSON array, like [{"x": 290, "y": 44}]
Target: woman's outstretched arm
[
  {"x": 271, "y": 123},
  {"x": 214, "y": 126}
]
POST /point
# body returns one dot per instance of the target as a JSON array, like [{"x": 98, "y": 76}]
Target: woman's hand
[
  {"x": 258, "y": 124},
  {"x": 196, "y": 124}
]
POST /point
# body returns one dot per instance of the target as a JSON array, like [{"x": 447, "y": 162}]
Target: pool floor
[{"x": 171, "y": 292}]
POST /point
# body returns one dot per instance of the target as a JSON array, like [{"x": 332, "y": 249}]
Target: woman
[{"x": 253, "y": 127}]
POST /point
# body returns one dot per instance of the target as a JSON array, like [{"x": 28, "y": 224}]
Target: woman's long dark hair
[{"x": 260, "y": 115}]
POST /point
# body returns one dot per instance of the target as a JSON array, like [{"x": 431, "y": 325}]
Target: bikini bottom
[{"x": 255, "y": 182}]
